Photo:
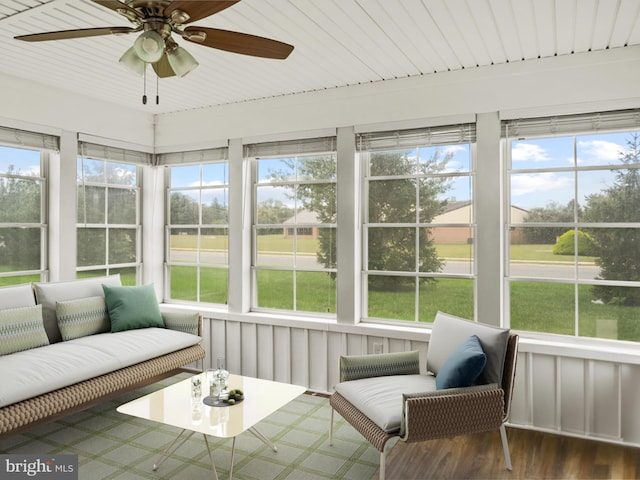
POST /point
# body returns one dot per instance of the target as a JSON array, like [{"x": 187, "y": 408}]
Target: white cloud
[
  {"x": 541, "y": 182},
  {"x": 522, "y": 152},
  {"x": 599, "y": 152}
]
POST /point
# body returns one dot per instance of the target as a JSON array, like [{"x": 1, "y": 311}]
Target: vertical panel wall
[{"x": 554, "y": 392}]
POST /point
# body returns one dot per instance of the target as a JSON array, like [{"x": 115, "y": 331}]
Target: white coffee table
[{"x": 173, "y": 405}]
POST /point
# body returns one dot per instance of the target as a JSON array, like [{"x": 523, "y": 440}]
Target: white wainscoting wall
[{"x": 561, "y": 388}]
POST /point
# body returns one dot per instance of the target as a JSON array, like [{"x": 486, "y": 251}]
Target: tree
[
  {"x": 19, "y": 203},
  {"x": 410, "y": 197},
  {"x": 618, "y": 249}
]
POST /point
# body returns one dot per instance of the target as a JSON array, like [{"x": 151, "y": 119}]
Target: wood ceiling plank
[
  {"x": 524, "y": 18},
  {"x": 482, "y": 12}
]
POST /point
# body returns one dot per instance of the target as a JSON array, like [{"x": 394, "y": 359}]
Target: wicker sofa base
[{"x": 50, "y": 406}]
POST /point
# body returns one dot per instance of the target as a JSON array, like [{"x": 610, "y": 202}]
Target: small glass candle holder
[{"x": 196, "y": 386}]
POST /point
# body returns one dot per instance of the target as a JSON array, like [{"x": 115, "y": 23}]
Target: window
[
  {"x": 198, "y": 230},
  {"x": 574, "y": 225},
  {"x": 23, "y": 229},
  {"x": 294, "y": 226},
  {"x": 108, "y": 214},
  {"x": 418, "y": 224}
]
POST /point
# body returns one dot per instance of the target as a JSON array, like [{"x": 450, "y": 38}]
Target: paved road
[{"x": 537, "y": 270}]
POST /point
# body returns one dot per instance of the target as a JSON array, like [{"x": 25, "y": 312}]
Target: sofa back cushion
[
  {"x": 450, "y": 331},
  {"x": 17, "y": 296},
  {"x": 48, "y": 294},
  {"x": 21, "y": 329}
]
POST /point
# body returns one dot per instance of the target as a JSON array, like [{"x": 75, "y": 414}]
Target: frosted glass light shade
[
  {"x": 149, "y": 46},
  {"x": 181, "y": 61},
  {"x": 131, "y": 60}
]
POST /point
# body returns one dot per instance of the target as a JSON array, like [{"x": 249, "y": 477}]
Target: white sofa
[{"x": 58, "y": 353}]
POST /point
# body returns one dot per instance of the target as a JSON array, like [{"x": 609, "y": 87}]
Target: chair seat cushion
[{"x": 380, "y": 398}]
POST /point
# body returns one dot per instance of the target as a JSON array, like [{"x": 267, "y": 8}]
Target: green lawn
[{"x": 535, "y": 306}]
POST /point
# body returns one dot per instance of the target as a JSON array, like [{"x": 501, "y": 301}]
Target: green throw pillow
[
  {"x": 132, "y": 307},
  {"x": 21, "y": 329},
  {"x": 82, "y": 317}
]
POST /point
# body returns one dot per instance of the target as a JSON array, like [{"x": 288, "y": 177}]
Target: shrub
[{"x": 565, "y": 244}]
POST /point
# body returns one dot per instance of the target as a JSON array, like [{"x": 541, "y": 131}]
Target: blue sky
[
  {"x": 537, "y": 187},
  {"x": 26, "y": 161}
]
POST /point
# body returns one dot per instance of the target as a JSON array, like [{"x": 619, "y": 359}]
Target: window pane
[
  {"x": 543, "y": 307},
  {"x": 318, "y": 201},
  {"x": 19, "y": 161},
  {"x": 315, "y": 292},
  {"x": 19, "y": 200},
  {"x": 322, "y": 248},
  {"x": 602, "y": 149},
  {"x": 273, "y": 205},
  {"x": 215, "y": 206},
  {"x": 215, "y": 174},
  {"x": 274, "y": 247},
  {"x": 123, "y": 206},
  {"x": 317, "y": 167},
  {"x": 186, "y": 176},
  {"x": 20, "y": 249},
  {"x": 128, "y": 275},
  {"x": 546, "y": 153},
  {"x": 185, "y": 207},
  {"x": 214, "y": 246},
  {"x": 543, "y": 257},
  {"x": 616, "y": 252},
  {"x": 451, "y": 295},
  {"x": 92, "y": 170},
  {"x": 275, "y": 289},
  {"x": 183, "y": 245},
  {"x": 618, "y": 318},
  {"x": 393, "y": 162},
  {"x": 121, "y": 174},
  {"x": 122, "y": 245},
  {"x": 535, "y": 191},
  {"x": 91, "y": 204},
  {"x": 184, "y": 283},
  {"x": 391, "y": 297},
  {"x": 398, "y": 246},
  {"x": 92, "y": 246},
  {"x": 392, "y": 201},
  {"x": 275, "y": 168},
  {"x": 213, "y": 285},
  {"x": 453, "y": 250},
  {"x": 610, "y": 196}
]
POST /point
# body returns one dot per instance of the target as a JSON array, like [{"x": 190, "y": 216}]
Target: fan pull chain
[
  {"x": 157, "y": 90},
  {"x": 144, "y": 91}
]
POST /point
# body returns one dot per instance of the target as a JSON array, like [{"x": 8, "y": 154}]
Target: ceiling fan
[{"x": 157, "y": 20}]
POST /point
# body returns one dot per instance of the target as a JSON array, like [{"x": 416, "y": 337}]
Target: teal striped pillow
[
  {"x": 21, "y": 329},
  {"x": 82, "y": 317}
]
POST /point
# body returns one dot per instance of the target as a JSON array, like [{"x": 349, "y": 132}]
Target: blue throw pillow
[{"x": 463, "y": 366}]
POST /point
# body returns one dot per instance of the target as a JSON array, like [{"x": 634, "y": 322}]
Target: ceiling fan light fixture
[
  {"x": 181, "y": 61},
  {"x": 149, "y": 46},
  {"x": 132, "y": 61}
]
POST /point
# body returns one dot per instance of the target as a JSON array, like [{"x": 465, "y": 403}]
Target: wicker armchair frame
[{"x": 438, "y": 414}]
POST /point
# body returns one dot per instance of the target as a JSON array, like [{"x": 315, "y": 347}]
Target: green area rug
[{"x": 111, "y": 445}]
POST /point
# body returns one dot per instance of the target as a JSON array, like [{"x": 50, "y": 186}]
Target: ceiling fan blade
[
  {"x": 197, "y": 10},
  {"x": 243, "y": 43},
  {"x": 115, "y": 5},
  {"x": 163, "y": 68},
  {"x": 79, "y": 33}
]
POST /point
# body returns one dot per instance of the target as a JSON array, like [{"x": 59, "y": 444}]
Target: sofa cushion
[
  {"x": 82, "y": 317},
  {"x": 132, "y": 307},
  {"x": 380, "y": 398},
  {"x": 40, "y": 370},
  {"x": 17, "y": 296},
  {"x": 48, "y": 294},
  {"x": 450, "y": 331},
  {"x": 182, "y": 321},
  {"x": 21, "y": 329},
  {"x": 463, "y": 366}
]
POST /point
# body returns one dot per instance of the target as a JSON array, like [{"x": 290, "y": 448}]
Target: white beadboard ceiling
[{"x": 337, "y": 43}]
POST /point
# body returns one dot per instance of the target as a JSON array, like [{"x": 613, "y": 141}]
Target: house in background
[
  {"x": 461, "y": 212},
  {"x": 306, "y": 219}
]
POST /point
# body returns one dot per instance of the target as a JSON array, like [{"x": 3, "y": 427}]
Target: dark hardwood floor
[{"x": 534, "y": 455}]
